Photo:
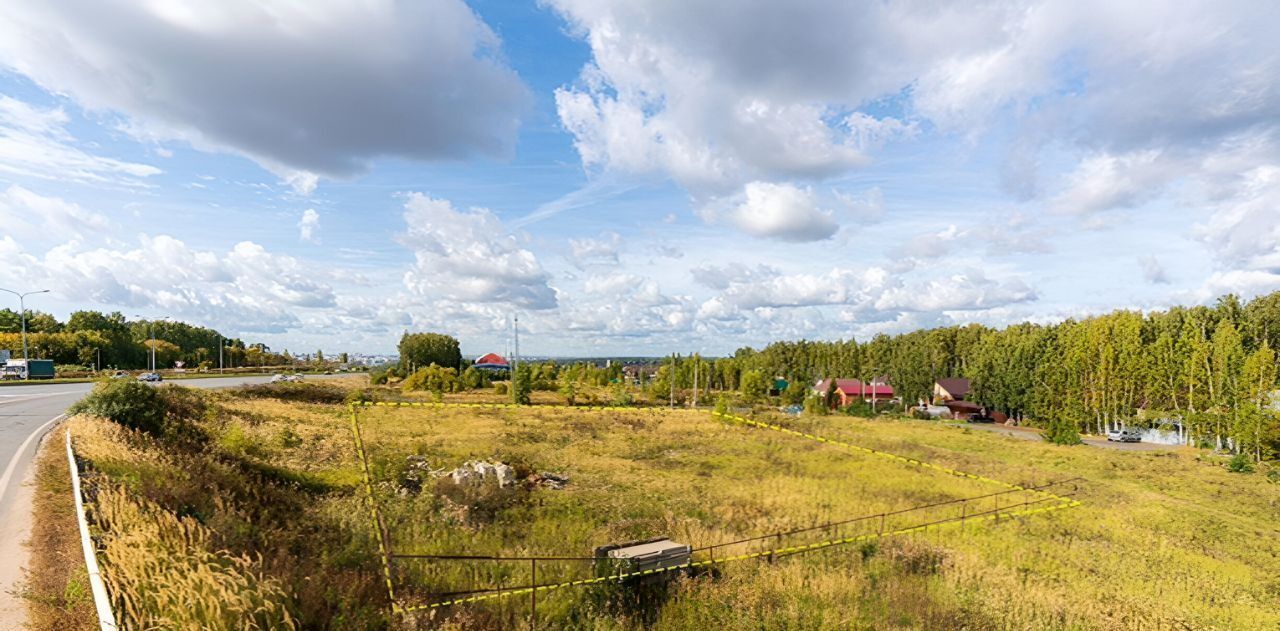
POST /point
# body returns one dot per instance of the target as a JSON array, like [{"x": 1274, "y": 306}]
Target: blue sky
[{"x": 634, "y": 177}]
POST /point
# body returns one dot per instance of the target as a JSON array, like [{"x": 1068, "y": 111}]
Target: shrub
[
  {"x": 434, "y": 379},
  {"x": 569, "y": 392},
  {"x": 500, "y": 388},
  {"x": 722, "y": 404},
  {"x": 1062, "y": 432},
  {"x": 521, "y": 384},
  {"x": 618, "y": 395},
  {"x": 1240, "y": 463},
  {"x": 301, "y": 392},
  {"x": 816, "y": 405},
  {"x": 127, "y": 402}
]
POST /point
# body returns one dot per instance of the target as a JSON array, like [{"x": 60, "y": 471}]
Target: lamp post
[
  {"x": 22, "y": 315},
  {"x": 151, "y": 332}
]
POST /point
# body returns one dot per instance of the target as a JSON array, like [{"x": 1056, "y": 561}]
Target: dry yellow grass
[
  {"x": 1162, "y": 541},
  {"x": 57, "y": 585}
]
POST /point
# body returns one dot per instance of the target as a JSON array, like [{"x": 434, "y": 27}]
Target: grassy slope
[{"x": 1163, "y": 540}]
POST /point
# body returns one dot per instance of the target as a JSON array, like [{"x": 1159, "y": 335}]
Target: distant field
[{"x": 271, "y": 506}]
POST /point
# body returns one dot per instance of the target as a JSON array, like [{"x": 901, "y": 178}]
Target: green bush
[
  {"x": 522, "y": 385},
  {"x": 301, "y": 392},
  {"x": 130, "y": 403},
  {"x": 816, "y": 406},
  {"x": 1240, "y": 463},
  {"x": 500, "y": 388},
  {"x": 618, "y": 395},
  {"x": 1062, "y": 432}
]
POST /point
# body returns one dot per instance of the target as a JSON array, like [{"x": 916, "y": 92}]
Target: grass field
[{"x": 261, "y": 515}]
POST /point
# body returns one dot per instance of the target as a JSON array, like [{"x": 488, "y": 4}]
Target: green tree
[
  {"x": 420, "y": 350},
  {"x": 754, "y": 385}
]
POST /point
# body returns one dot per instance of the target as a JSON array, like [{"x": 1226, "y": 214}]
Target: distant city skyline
[{"x": 634, "y": 178}]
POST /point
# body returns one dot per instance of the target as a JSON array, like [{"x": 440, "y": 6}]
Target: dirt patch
[{"x": 56, "y": 588}]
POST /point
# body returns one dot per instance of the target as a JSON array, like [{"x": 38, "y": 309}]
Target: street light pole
[
  {"x": 151, "y": 332},
  {"x": 22, "y": 315}
]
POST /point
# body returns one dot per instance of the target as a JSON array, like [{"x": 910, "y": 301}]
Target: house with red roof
[
  {"x": 850, "y": 390},
  {"x": 492, "y": 361}
]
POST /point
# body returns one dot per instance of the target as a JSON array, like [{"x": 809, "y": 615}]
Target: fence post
[{"x": 533, "y": 594}]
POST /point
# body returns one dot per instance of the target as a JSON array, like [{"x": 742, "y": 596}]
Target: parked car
[
  {"x": 1125, "y": 435},
  {"x": 150, "y": 376},
  {"x": 120, "y": 374},
  {"x": 979, "y": 417}
]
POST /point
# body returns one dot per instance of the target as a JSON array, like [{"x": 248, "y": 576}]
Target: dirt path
[{"x": 1031, "y": 433}]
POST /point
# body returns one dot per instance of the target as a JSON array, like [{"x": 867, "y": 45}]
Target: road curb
[{"x": 106, "y": 619}]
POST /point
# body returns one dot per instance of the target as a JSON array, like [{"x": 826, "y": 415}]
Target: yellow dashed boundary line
[
  {"x": 883, "y": 454},
  {"x": 741, "y": 557},
  {"x": 373, "y": 509},
  {"x": 502, "y": 406}
]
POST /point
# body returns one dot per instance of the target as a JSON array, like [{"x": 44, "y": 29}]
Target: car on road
[
  {"x": 278, "y": 378},
  {"x": 120, "y": 374},
  {"x": 150, "y": 376},
  {"x": 1125, "y": 435}
]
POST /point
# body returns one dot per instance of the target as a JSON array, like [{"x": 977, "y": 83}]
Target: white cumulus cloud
[
  {"x": 468, "y": 256},
  {"x": 306, "y": 89}
]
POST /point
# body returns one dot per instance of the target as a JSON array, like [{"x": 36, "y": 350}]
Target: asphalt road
[
  {"x": 27, "y": 413},
  {"x": 1031, "y": 433}
]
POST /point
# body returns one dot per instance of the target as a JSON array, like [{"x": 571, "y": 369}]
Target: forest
[
  {"x": 1210, "y": 369},
  {"x": 1209, "y": 372}
]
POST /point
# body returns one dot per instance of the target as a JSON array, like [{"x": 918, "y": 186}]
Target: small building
[
  {"x": 963, "y": 410},
  {"x": 850, "y": 390},
  {"x": 492, "y": 361},
  {"x": 779, "y": 386},
  {"x": 950, "y": 389}
]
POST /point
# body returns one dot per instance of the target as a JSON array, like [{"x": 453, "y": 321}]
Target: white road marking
[{"x": 13, "y": 462}]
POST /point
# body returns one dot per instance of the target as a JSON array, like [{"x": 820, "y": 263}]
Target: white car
[
  {"x": 150, "y": 376},
  {"x": 1125, "y": 435},
  {"x": 286, "y": 378}
]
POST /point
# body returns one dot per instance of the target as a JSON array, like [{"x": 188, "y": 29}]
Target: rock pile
[
  {"x": 477, "y": 472},
  {"x": 473, "y": 473}
]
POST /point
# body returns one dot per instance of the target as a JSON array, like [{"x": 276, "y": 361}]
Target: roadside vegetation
[
  {"x": 92, "y": 339},
  {"x": 56, "y": 588},
  {"x": 245, "y": 509}
]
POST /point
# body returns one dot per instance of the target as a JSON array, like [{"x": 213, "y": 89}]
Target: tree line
[
  {"x": 93, "y": 339},
  {"x": 1208, "y": 373}
]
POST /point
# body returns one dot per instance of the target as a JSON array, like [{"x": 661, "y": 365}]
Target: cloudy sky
[{"x": 634, "y": 176}]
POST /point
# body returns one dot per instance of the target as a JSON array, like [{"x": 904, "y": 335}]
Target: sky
[{"x": 634, "y": 177}]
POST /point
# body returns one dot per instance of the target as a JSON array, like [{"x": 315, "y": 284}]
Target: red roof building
[
  {"x": 850, "y": 390},
  {"x": 492, "y": 361}
]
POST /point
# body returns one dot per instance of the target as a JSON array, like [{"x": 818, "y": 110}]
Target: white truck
[{"x": 27, "y": 369}]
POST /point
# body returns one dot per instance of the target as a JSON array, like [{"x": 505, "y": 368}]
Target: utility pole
[
  {"x": 671, "y": 400},
  {"x": 22, "y": 315},
  {"x": 697, "y": 359},
  {"x": 220, "y": 341},
  {"x": 515, "y": 356}
]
